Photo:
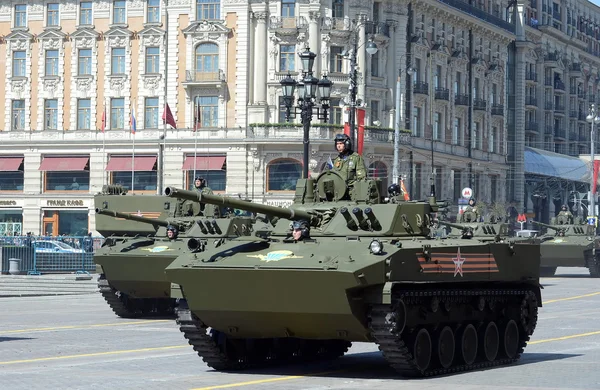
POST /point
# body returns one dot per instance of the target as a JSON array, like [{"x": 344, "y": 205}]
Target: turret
[{"x": 280, "y": 212}]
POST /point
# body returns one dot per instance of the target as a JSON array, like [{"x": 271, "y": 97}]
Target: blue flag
[{"x": 132, "y": 123}]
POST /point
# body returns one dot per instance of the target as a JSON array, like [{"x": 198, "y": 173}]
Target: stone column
[
  {"x": 260, "y": 59},
  {"x": 313, "y": 39}
]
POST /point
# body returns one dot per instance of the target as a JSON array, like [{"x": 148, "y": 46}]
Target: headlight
[{"x": 376, "y": 247}]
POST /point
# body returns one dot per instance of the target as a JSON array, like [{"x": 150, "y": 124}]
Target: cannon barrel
[
  {"x": 455, "y": 225},
  {"x": 137, "y": 218},
  {"x": 546, "y": 225},
  {"x": 294, "y": 215}
]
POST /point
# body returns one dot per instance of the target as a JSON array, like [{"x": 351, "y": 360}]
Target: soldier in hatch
[
  {"x": 564, "y": 211},
  {"x": 172, "y": 232},
  {"x": 472, "y": 207},
  {"x": 348, "y": 164},
  {"x": 201, "y": 187},
  {"x": 300, "y": 230}
]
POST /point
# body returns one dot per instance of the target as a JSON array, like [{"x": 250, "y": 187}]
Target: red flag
[
  {"x": 103, "y": 124},
  {"x": 360, "y": 113},
  {"x": 347, "y": 124},
  {"x": 405, "y": 192},
  {"x": 167, "y": 117},
  {"x": 596, "y": 168}
]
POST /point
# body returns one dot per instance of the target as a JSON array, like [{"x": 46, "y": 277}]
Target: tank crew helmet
[
  {"x": 171, "y": 228},
  {"x": 563, "y": 207},
  {"x": 301, "y": 226},
  {"x": 201, "y": 180},
  {"x": 472, "y": 200},
  {"x": 345, "y": 139},
  {"x": 394, "y": 189}
]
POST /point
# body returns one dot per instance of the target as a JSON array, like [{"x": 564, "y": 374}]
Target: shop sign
[
  {"x": 65, "y": 203},
  {"x": 279, "y": 203},
  {"x": 8, "y": 202}
]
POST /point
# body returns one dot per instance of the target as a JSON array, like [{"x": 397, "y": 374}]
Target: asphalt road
[{"x": 75, "y": 342}]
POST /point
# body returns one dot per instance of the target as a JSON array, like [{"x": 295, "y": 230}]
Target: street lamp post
[
  {"x": 592, "y": 118},
  {"x": 353, "y": 82},
  {"x": 307, "y": 95}
]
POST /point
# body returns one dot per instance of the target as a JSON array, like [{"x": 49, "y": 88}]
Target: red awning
[
  {"x": 204, "y": 163},
  {"x": 123, "y": 163},
  {"x": 64, "y": 163},
  {"x": 10, "y": 164}
]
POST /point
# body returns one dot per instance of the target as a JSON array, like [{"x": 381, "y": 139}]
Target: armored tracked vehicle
[
  {"x": 133, "y": 281},
  {"x": 491, "y": 229},
  {"x": 569, "y": 243},
  {"x": 351, "y": 268}
]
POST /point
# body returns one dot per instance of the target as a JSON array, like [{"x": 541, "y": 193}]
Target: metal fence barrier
[{"x": 34, "y": 255}]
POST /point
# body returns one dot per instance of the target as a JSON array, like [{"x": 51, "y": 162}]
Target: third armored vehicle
[
  {"x": 351, "y": 268},
  {"x": 569, "y": 243}
]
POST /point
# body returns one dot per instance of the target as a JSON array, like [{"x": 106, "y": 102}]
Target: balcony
[
  {"x": 479, "y": 104},
  {"x": 373, "y": 28},
  {"x": 421, "y": 87},
  {"x": 461, "y": 99},
  {"x": 531, "y": 76},
  {"x": 285, "y": 24},
  {"x": 559, "y": 86},
  {"x": 551, "y": 60},
  {"x": 201, "y": 78},
  {"x": 337, "y": 26},
  {"x": 442, "y": 93},
  {"x": 530, "y": 101},
  {"x": 498, "y": 109},
  {"x": 575, "y": 69},
  {"x": 531, "y": 126},
  {"x": 480, "y": 14}
]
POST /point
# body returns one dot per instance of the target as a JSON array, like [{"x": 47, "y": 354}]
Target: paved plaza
[{"x": 76, "y": 342}]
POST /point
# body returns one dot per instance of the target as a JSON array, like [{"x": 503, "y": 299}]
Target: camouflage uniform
[
  {"x": 350, "y": 167},
  {"x": 566, "y": 213},
  {"x": 207, "y": 210}
]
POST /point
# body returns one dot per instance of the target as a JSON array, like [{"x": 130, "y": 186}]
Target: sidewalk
[{"x": 49, "y": 284}]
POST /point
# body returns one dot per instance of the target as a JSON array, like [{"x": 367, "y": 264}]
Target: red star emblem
[{"x": 458, "y": 263}]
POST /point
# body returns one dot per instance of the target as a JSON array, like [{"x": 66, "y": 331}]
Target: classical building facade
[{"x": 86, "y": 81}]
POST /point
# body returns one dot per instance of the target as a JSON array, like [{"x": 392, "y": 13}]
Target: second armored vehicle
[
  {"x": 351, "y": 268},
  {"x": 569, "y": 243}
]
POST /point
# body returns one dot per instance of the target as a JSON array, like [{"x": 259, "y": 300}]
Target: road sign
[
  {"x": 466, "y": 192},
  {"x": 592, "y": 220}
]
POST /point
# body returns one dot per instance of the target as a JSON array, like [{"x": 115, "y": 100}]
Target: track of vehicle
[
  {"x": 227, "y": 354},
  {"x": 126, "y": 307},
  {"x": 437, "y": 332}
]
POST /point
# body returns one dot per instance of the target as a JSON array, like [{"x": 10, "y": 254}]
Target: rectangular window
[
  {"x": 455, "y": 131},
  {"x": 287, "y": 58},
  {"x": 67, "y": 181},
  {"x": 216, "y": 180},
  {"x": 117, "y": 113},
  {"x": 282, "y": 111},
  {"x": 142, "y": 180},
  {"x": 19, "y": 63},
  {"x": 70, "y": 222},
  {"x": 437, "y": 119},
  {"x": 494, "y": 188},
  {"x": 18, "y": 115},
  {"x": 10, "y": 181},
  {"x": 416, "y": 183},
  {"x": 492, "y": 140},
  {"x": 475, "y": 135},
  {"x": 119, "y": 7},
  {"x": 375, "y": 65},
  {"x": 85, "y": 13},
  {"x": 85, "y": 62},
  {"x": 52, "y": 14},
  {"x": 335, "y": 112},
  {"x": 337, "y": 10},
  {"x": 51, "y": 114},
  {"x": 437, "y": 79},
  {"x": 84, "y": 118},
  {"x": 374, "y": 112},
  {"x": 151, "y": 113},
  {"x": 152, "y": 60},
  {"x": 118, "y": 60},
  {"x": 457, "y": 185},
  {"x": 208, "y": 109},
  {"x": 288, "y": 8},
  {"x": 457, "y": 83},
  {"x": 21, "y": 15},
  {"x": 437, "y": 173},
  {"x": 336, "y": 60},
  {"x": 153, "y": 11},
  {"x": 416, "y": 130},
  {"x": 208, "y": 9},
  {"x": 51, "y": 63}
]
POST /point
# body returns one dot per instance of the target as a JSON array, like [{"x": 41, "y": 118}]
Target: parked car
[{"x": 51, "y": 246}]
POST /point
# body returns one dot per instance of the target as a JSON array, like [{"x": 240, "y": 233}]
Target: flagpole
[
  {"x": 161, "y": 163},
  {"x": 196, "y": 119},
  {"x": 104, "y": 176}
]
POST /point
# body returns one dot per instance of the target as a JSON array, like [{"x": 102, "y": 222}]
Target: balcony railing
[
  {"x": 551, "y": 57},
  {"x": 377, "y": 29},
  {"x": 531, "y": 126},
  {"x": 497, "y": 109},
  {"x": 442, "y": 93},
  {"x": 480, "y": 14},
  {"x": 531, "y": 76},
  {"x": 530, "y": 101},
  {"x": 575, "y": 67},
  {"x": 197, "y": 76},
  {"x": 560, "y": 108},
  {"x": 479, "y": 104},
  {"x": 421, "y": 87},
  {"x": 559, "y": 85},
  {"x": 461, "y": 99},
  {"x": 277, "y": 131},
  {"x": 339, "y": 24},
  {"x": 281, "y": 22}
]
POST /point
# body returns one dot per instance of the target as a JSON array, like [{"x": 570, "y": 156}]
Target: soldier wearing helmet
[
  {"x": 472, "y": 208},
  {"x": 348, "y": 164},
  {"x": 300, "y": 230},
  {"x": 172, "y": 232},
  {"x": 200, "y": 185},
  {"x": 564, "y": 212}
]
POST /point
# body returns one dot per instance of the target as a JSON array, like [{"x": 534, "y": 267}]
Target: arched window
[
  {"x": 378, "y": 170},
  {"x": 207, "y": 58},
  {"x": 282, "y": 174}
]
